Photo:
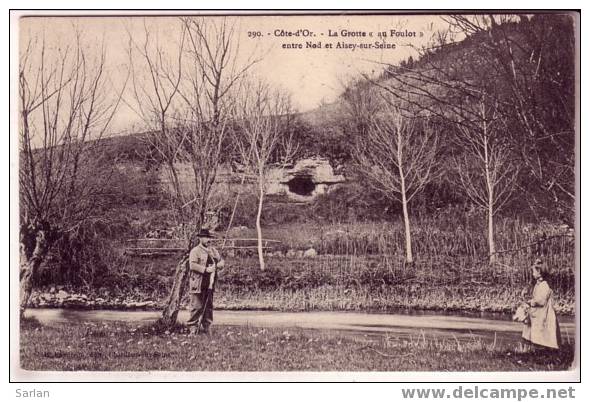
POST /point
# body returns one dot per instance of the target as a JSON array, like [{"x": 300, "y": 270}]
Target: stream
[{"x": 429, "y": 325}]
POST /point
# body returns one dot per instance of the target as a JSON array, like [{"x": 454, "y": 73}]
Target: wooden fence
[{"x": 162, "y": 247}]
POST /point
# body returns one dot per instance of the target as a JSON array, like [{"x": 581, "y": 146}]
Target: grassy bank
[
  {"x": 335, "y": 283},
  {"x": 358, "y": 267},
  {"x": 122, "y": 346}
]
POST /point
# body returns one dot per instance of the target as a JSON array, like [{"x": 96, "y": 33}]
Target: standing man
[{"x": 204, "y": 260}]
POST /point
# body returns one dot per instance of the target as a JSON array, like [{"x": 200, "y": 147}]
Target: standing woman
[{"x": 543, "y": 328}]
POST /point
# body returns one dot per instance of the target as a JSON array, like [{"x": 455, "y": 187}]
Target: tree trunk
[
  {"x": 402, "y": 180},
  {"x": 170, "y": 313},
  {"x": 409, "y": 254},
  {"x": 491, "y": 243},
  {"x": 259, "y": 228},
  {"x": 490, "y": 190},
  {"x": 29, "y": 263}
]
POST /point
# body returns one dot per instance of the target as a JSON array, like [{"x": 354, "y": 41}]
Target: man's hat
[{"x": 205, "y": 233}]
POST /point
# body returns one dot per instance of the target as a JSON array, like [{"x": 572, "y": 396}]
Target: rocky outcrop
[
  {"x": 301, "y": 182},
  {"x": 307, "y": 179}
]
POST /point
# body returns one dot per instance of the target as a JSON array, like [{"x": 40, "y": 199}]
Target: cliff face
[{"x": 301, "y": 182}]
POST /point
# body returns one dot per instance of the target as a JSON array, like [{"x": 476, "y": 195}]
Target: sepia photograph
[{"x": 341, "y": 195}]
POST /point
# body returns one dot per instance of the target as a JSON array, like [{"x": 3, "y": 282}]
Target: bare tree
[
  {"x": 155, "y": 98},
  {"x": 264, "y": 137},
  {"x": 398, "y": 156},
  {"x": 522, "y": 69},
  {"x": 186, "y": 105},
  {"x": 486, "y": 170},
  {"x": 525, "y": 62},
  {"x": 534, "y": 62},
  {"x": 65, "y": 108}
]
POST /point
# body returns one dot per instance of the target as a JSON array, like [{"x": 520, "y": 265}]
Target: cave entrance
[{"x": 301, "y": 185}]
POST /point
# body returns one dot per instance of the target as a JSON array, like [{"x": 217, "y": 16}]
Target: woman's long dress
[{"x": 543, "y": 327}]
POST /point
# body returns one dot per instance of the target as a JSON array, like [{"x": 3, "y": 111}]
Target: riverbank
[
  {"x": 119, "y": 346},
  {"x": 471, "y": 299}
]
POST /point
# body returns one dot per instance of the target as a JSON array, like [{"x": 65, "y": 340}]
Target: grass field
[{"x": 122, "y": 346}]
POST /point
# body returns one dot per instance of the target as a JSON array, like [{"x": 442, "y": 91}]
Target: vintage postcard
[{"x": 295, "y": 196}]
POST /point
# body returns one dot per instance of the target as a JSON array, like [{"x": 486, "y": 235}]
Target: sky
[{"x": 311, "y": 75}]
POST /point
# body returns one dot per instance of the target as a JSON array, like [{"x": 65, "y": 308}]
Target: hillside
[{"x": 440, "y": 83}]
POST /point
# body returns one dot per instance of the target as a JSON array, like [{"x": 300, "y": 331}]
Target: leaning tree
[{"x": 65, "y": 107}]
